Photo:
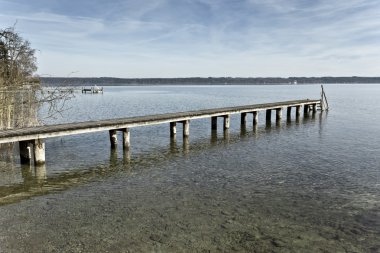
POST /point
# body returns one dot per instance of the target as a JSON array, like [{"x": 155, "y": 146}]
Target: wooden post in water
[
  {"x": 298, "y": 111},
  {"x": 186, "y": 128},
  {"x": 269, "y": 115},
  {"x": 243, "y": 118},
  {"x": 226, "y": 121},
  {"x": 255, "y": 118},
  {"x": 25, "y": 152},
  {"x": 126, "y": 139},
  {"x": 113, "y": 138},
  {"x": 173, "y": 129},
  {"x": 289, "y": 113},
  {"x": 39, "y": 151},
  {"x": 314, "y": 108},
  {"x": 214, "y": 123},
  {"x": 278, "y": 114},
  {"x": 306, "y": 110}
]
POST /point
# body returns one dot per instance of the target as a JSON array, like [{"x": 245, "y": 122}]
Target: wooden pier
[
  {"x": 92, "y": 90},
  {"x": 31, "y": 140}
]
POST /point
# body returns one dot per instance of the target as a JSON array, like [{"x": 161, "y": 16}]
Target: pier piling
[
  {"x": 306, "y": 110},
  {"x": 173, "y": 129},
  {"x": 226, "y": 120},
  {"x": 278, "y": 114},
  {"x": 186, "y": 128},
  {"x": 39, "y": 151},
  {"x": 113, "y": 138},
  {"x": 255, "y": 118},
  {"x": 289, "y": 112},
  {"x": 25, "y": 152},
  {"x": 298, "y": 111},
  {"x": 126, "y": 138},
  {"x": 269, "y": 115},
  {"x": 214, "y": 123},
  {"x": 243, "y": 118}
]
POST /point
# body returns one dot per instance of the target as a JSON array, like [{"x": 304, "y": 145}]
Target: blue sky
[{"x": 183, "y": 38}]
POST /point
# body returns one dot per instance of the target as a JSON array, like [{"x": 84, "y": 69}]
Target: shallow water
[{"x": 308, "y": 185}]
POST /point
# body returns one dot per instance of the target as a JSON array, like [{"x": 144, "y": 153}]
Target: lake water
[{"x": 307, "y": 185}]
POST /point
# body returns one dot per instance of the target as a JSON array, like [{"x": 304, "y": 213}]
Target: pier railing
[
  {"x": 324, "y": 104},
  {"x": 31, "y": 140}
]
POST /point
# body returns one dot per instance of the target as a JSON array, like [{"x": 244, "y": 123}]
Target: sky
[{"x": 199, "y": 38}]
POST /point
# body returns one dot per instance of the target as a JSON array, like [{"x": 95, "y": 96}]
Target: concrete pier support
[
  {"x": 25, "y": 152},
  {"x": 214, "y": 123},
  {"x": 39, "y": 151},
  {"x": 126, "y": 139},
  {"x": 269, "y": 115},
  {"x": 255, "y": 118},
  {"x": 278, "y": 114},
  {"x": 298, "y": 111},
  {"x": 186, "y": 128},
  {"x": 113, "y": 138},
  {"x": 173, "y": 129},
  {"x": 226, "y": 120},
  {"x": 243, "y": 118}
]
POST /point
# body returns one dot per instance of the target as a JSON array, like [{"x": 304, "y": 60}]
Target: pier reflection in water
[{"x": 36, "y": 180}]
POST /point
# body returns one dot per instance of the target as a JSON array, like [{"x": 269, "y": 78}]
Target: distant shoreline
[{"x": 110, "y": 81}]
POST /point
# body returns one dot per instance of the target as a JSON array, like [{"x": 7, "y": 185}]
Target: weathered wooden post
[
  {"x": 113, "y": 138},
  {"x": 289, "y": 112},
  {"x": 25, "y": 152},
  {"x": 243, "y": 118},
  {"x": 278, "y": 114},
  {"x": 226, "y": 120},
  {"x": 214, "y": 123},
  {"x": 186, "y": 128},
  {"x": 126, "y": 139},
  {"x": 269, "y": 114},
  {"x": 298, "y": 111},
  {"x": 39, "y": 151},
  {"x": 314, "y": 108},
  {"x": 173, "y": 129},
  {"x": 255, "y": 117},
  {"x": 306, "y": 110}
]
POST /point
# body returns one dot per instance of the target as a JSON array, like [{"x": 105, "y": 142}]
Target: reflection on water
[
  {"x": 35, "y": 177},
  {"x": 305, "y": 185}
]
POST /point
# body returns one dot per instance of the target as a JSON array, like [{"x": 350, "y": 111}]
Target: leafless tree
[
  {"x": 17, "y": 81},
  {"x": 17, "y": 59}
]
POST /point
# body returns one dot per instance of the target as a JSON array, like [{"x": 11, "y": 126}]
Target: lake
[{"x": 306, "y": 185}]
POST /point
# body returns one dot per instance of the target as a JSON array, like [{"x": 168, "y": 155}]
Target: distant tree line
[{"x": 110, "y": 81}]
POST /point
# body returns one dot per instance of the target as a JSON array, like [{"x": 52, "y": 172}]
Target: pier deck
[{"x": 34, "y": 136}]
